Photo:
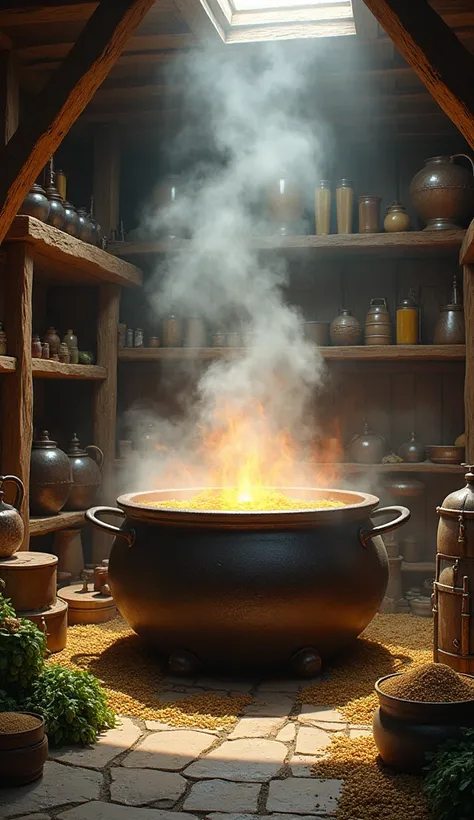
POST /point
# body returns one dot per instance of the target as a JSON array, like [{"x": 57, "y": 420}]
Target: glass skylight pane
[{"x": 255, "y": 5}]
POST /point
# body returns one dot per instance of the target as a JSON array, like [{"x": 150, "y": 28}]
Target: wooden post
[
  {"x": 105, "y": 404},
  {"x": 107, "y": 177},
  {"x": 17, "y": 393},
  {"x": 9, "y": 95},
  {"x": 469, "y": 377}
]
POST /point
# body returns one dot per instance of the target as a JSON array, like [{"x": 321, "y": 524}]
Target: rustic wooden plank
[
  {"x": 41, "y": 525},
  {"x": 466, "y": 256},
  {"x": 105, "y": 401},
  {"x": 71, "y": 256},
  {"x": 7, "y": 364},
  {"x": 36, "y": 12},
  {"x": 366, "y": 352},
  {"x": 435, "y": 54},
  {"x": 63, "y": 99},
  {"x": 49, "y": 369},
  {"x": 469, "y": 380},
  {"x": 202, "y": 21},
  {"x": 38, "y": 54},
  {"x": 404, "y": 244},
  {"x": 9, "y": 95},
  {"x": 17, "y": 398},
  {"x": 106, "y": 185}
]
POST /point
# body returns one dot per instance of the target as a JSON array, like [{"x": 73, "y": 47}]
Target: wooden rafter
[
  {"x": 64, "y": 98},
  {"x": 435, "y": 54}
]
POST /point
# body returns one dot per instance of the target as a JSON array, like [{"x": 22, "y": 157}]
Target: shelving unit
[
  {"x": 357, "y": 352},
  {"x": 38, "y": 254}
]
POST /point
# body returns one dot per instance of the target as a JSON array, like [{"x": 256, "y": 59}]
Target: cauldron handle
[
  {"x": 403, "y": 515},
  {"x": 91, "y": 517}
]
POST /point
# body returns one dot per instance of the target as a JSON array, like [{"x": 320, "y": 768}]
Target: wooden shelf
[
  {"x": 65, "y": 260},
  {"x": 362, "y": 352},
  {"x": 7, "y": 364},
  {"x": 425, "y": 567},
  {"x": 402, "y": 467},
  {"x": 50, "y": 369},
  {"x": 41, "y": 525},
  {"x": 406, "y": 244}
]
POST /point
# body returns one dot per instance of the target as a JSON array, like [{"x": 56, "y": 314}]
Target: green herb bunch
[
  {"x": 73, "y": 705},
  {"x": 449, "y": 783},
  {"x": 22, "y": 650},
  {"x": 7, "y": 704}
]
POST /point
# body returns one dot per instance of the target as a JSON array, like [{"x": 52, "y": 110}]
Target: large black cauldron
[{"x": 232, "y": 590}]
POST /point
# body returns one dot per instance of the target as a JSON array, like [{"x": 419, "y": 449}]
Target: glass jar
[
  {"x": 369, "y": 214},
  {"x": 408, "y": 322},
  {"x": 36, "y": 347},
  {"x": 64, "y": 353},
  {"x": 138, "y": 337},
  {"x": 44, "y": 350},
  {"x": 172, "y": 331},
  {"x": 129, "y": 338},
  {"x": 344, "y": 205},
  {"x": 322, "y": 208},
  {"x": 3, "y": 341},
  {"x": 154, "y": 341}
]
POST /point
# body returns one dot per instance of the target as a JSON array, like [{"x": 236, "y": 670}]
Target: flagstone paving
[{"x": 148, "y": 770}]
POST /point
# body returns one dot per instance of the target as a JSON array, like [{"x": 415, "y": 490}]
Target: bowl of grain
[
  {"x": 418, "y": 710},
  {"x": 23, "y": 747}
]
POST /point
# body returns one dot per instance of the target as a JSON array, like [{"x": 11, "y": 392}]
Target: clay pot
[
  {"x": 72, "y": 224},
  {"x": 378, "y": 326},
  {"x": 195, "y": 332},
  {"x": 50, "y": 477},
  {"x": 85, "y": 229},
  {"x": 35, "y": 203},
  {"x": 412, "y": 451},
  {"x": 443, "y": 193},
  {"x": 23, "y": 754},
  {"x": 405, "y": 731},
  {"x": 52, "y": 339},
  {"x": 411, "y": 551},
  {"x": 86, "y": 475},
  {"x": 67, "y": 545},
  {"x": 57, "y": 214},
  {"x": 11, "y": 522},
  {"x": 345, "y": 329},
  {"x": 317, "y": 332},
  {"x": 285, "y": 204},
  {"x": 53, "y": 622},
  {"x": 367, "y": 447},
  {"x": 396, "y": 219},
  {"x": 403, "y": 486}
]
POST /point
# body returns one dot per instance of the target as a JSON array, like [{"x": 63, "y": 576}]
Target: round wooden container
[
  {"x": 23, "y": 754},
  {"x": 378, "y": 326},
  {"x": 54, "y": 621},
  {"x": 30, "y": 579},
  {"x": 89, "y": 607}
]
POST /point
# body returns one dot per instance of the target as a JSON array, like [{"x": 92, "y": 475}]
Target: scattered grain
[
  {"x": 230, "y": 500},
  {"x": 17, "y": 722},
  {"x": 430, "y": 683},
  {"x": 370, "y": 790}
]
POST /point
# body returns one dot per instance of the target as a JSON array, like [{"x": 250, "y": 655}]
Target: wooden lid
[
  {"x": 77, "y": 599},
  {"x": 55, "y": 609},
  {"x": 29, "y": 560}
]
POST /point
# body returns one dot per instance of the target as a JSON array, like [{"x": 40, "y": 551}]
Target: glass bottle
[
  {"x": 36, "y": 347},
  {"x": 129, "y": 337},
  {"x": 171, "y": 331},
  {"x": 369, "y": 214},
  {"x": 344, "y": 205},
  {"x": 408, "y": 322},
  {"x": 322, "y": 208},
  {"x": 138, "y": 337},
  {"x": 64, "y": 355}
]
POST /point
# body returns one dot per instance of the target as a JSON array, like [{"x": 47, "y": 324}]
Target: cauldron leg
[
  {"x": 182, "y": 662},
  {"x": 306, "y": 663}
]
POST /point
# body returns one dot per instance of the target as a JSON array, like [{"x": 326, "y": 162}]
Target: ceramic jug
[
  {"x": 50, "y": 476},
  {"x": 86, "y": 474},
  {"x": 443, "y": 193},
  {"x": 11, "y": 522}
]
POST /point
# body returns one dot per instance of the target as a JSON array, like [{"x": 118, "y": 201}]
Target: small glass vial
[
  {"x": 233, "y": 339},
  {"x": 369, "y": 214},
  {"x": 129, "y": 337},
  {"x": 64, "y": 353},
  {"x": 171, "y": 331},
  {"x": 3, "y": 341},
  {"x": 74, "y": 355},
  {"x": 36, "y": 347},
  {"x": 121, "y": 334},
  {"x": 138, "y": 337},
  {"x": 344, "y": 205},
  {"x": 44, "y": 350},
  {"x": 322, "y": 208},
  {"x": 408, "y": 322},
  {"x": 218, "y": 339},
  {"x": 154, "y": 341}
]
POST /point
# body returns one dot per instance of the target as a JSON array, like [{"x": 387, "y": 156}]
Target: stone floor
[{"x": 145, "y": 770}]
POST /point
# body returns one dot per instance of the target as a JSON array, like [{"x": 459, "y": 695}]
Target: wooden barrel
[
  {"x": 30, "y": 580},
  {"x": 23, "y": 752},
  {"x": 53, "y": 621},
  {"x": 378, "y": 326},
  {"x": 87, "y": 607}
]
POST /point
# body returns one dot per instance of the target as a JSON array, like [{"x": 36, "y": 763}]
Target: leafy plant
[
  {"x": 22, "y": 649},
  {"x": 449, "y": 783},
  {"x": 7, "y": 704},
  {"x": 73, "y": 704}
]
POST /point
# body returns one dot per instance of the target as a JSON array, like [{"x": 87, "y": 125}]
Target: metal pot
[
  {"x": 367, "y": 447},
  {"x": 248, "y": 589},
  {"x": 11, "y": 522},
  {"x": 35, "y": 203},
  {"x": 443, "y": 193},
  {"x": 86, "y": 474},
  {"x": 50, "y": 477}
]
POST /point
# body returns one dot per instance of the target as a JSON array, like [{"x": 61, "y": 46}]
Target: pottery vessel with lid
[
  {"x": 11, "y": 522},
  {"x": 450, "y": 328},
  {"x": 52, "y": 339},
  {"x": 378, "y": 325},
  {"x": 50, "y": 476},
  {"x": 345, "y": 329},
  {"x": 86, "y": 467},
  {"x": 36, "y": 203},
  {"x": 396, "y": 219},
  {"x": 367, "y": 447},
  {"x": 443, "y": 193},
  {"x": 412, "y": 451}
]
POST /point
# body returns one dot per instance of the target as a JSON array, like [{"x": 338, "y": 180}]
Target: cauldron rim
[{"x": 360, "y": 510}]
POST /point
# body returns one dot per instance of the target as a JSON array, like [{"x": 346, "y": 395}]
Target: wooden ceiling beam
[
  {"x": 36, "y": 13},
  {"x": 37, "y": 55},
  {"x": 63, "y": 99},
  {"x": 435, "y": 54}
]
